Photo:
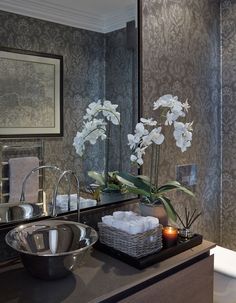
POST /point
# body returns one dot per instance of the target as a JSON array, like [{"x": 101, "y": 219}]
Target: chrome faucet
[
  {"x": 53, "y": 167},
  {"x": 68, "y": 174}
]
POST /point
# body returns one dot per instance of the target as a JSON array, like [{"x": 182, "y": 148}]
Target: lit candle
[{"x": 170, "y": 236}]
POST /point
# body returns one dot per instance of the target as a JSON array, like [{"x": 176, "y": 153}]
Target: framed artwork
[{"x": 31, "y": 94}]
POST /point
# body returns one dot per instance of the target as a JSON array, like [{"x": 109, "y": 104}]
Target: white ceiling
[{"x": 97, "y": 15}]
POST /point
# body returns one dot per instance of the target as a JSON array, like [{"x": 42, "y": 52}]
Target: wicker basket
[{"x": 138, "y": 245}]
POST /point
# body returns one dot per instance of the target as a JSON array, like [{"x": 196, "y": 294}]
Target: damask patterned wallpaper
[
  {"x": 181, "y": 56},
  {"x": 229, "y": 123},
  {"x": 84, "y": 53}
]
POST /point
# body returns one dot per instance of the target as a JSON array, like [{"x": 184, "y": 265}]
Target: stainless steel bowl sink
[{"x": 51, "y": 249}]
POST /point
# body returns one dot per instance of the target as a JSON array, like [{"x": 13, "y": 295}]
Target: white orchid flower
[
  {"x": 171, "y": 117},
  {"x": 183, "y": 144},
  {"x": 140, "y": 130},
  {"x": 176, "y": 106},
  {"x": 93, "y": 109},
  {"x": 109, "y": 111},
  {"x": 149, "y": 121},
  {"x": 146, "y": 140},
  {"x": 153, "y": 137},
  {"x": 156, "y": 136},
  {"x": 140, "y": 161},
  {"x": 169, "y": 101},
  {"x": 140, "y": 152},
  {"x": 133, "y": 141},
  {"x": 183, "y": 135},
  {"x": 138, "y": 156},
  {"x": 165, "y": 101},
  {"x": 186, "y": 106},
  {"x": 133, "y": 158},
  {"x": 94, "y": 128},
  {"x": 91, "y": 132},
  {"x": 143, "y": 137}
]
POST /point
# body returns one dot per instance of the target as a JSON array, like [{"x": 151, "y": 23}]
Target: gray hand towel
[{"x": 18, "y": 169}]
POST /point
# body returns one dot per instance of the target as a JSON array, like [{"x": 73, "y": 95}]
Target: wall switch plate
[{"x": 186, "y": 174}]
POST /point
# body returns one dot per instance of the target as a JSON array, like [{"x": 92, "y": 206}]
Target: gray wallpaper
[
  {"x": 229, "y": 123},
  {"x": 181, "y": 56},
  {"x": 84, "y": 53}
]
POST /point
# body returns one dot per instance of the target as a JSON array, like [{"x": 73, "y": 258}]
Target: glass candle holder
[{"x": 170, "y": 236}]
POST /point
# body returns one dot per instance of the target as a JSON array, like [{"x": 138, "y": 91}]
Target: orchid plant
[
  {"x": 94, "y": 128},
  {"x": 149, "y": 132},
  {"x": 96, "y": 125}
]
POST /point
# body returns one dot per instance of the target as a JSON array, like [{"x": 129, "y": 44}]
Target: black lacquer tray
[{"x": 163, "y": 254}]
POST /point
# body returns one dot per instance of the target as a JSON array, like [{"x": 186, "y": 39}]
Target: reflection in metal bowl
[
  {"x": 10, "y": 212},
  {"x": 51, "y": 249}
]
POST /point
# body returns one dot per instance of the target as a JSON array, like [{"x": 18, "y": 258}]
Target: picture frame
[{"x": 31, "y": 94}]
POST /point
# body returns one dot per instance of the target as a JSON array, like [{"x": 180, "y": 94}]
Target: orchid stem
[
  {"x": 157, "y": 156},
  {"x": 151, "y": 169},
  {"x": 107, "y": 152}
]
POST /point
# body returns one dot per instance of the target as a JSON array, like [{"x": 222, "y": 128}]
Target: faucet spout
[
  {"x": 53, "y": 167},
  {"x": 68, "y": 174}
]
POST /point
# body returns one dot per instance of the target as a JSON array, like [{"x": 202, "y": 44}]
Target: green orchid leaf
[
  {"x": 166, "y": 188},
  {"x": 186, "y": 191},
  {"x": 170, "y": 184},
  {"x": 98, "y": 177},
  {"x": 174, "y": 186},
  {"x": 173, "y": 183},
  {"x": 125, "y": 182},
  {"x": 168, "y": 207},
  {"x": 145, "y": 179},
  {"x": 137, "y": 191},
  {"x": 135, "y": 180}
]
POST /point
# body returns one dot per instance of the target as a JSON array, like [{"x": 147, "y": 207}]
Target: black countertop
[{"x": 100, "y": 279}]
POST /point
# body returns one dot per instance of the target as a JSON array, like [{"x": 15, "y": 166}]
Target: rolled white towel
[
  {"x": 153, "y": 222},
  {"x": 130, "y": 215},
  {"x": 119, "y": 215},
  {"x": 136, "y": 227},
  {"x": 84, "y": 203},
  {"x": 130, "y": 222},
  {"x": 118, "y": 224},
  {"x": 62, "y": 202},
  {"x": 146, "y": 224},
  {"x": 124, "y": 226},
  {"x": 108, "y": 220}
]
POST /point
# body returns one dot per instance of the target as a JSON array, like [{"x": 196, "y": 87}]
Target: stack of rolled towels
[
  {"x": 130, "y": 222},
  {"x": 62, "y": 202}
]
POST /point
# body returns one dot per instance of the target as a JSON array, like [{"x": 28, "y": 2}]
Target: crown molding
[
  {"x": 118, "y": 19},
  {"x": 72, "y": 17},
  {"x": 57, "y": 14}
]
